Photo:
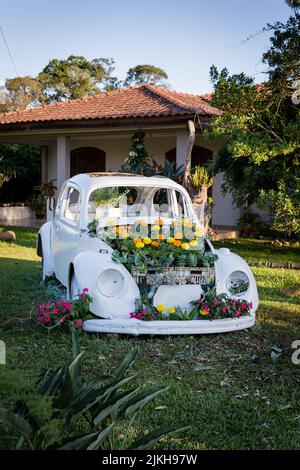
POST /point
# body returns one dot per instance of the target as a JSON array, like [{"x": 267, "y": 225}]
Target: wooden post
[{"x": 188, "y": 160}]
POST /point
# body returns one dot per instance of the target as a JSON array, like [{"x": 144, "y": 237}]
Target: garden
[{"x": 234, "y": 391}]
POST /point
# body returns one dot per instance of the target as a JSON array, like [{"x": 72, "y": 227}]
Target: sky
[{"x": 184, "y": 37}]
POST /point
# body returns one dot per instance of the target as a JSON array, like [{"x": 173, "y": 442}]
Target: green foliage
[
  {"x": 137, "y": 159},
  {"x": 20, "y": 170},
  {"x": 66, "y": 397},
  {"x": 201, "y": 177},
  {"x": 261, "y": 126},
  {"x": 145, "y": 74}
]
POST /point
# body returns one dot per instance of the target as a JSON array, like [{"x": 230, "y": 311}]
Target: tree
[
  {"x": 145, "y": 74},
  {"x": 260, "y": 126},
  {"x": 21, "y": 93},
  {"x": 75, "y": 77},
  {"x": 137, "y": 159}
]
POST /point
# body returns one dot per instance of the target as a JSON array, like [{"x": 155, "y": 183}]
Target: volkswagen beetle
[{"x": 99, "y": 240}]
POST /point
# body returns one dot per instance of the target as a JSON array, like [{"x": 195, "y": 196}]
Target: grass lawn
[{"x": 226, "y": 386}]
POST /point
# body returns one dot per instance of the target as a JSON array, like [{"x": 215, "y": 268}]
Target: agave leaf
[
  {"x": 74, "y": 371},
  {"x": 154, "y": 436},
  {"x": 140, "y": 400},
  {"x": 66, "y": 391},
  {"x": 126, "y": 364},
  {"x": 79, "y": 406},
  {"x": 76, "y": 364},
  {"x": 80, "y": 443},
  {"x": 101, "y": 437},
  {"x": 112, "y": 405},
  {"x": 52, "y": 383},
  {"x": 16, "y": 422}
]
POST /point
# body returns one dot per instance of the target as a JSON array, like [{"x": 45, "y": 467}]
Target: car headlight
[
  {"x": 110, "y": 282},
  {"x": 237, "y": 283}
]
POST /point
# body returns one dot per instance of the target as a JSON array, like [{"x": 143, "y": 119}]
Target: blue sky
[{"x": 184, "y": 37}]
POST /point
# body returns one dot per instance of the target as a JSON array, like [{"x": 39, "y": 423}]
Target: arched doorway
[
  {"x": 86, "y": 160},
  {"x": 200, "y": 155}
]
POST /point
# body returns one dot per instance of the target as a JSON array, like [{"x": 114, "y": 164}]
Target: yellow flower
[
  {"x": 140, "y": 245},
  {"x": 193, "y": 243},
  {"x": 185, "y": 246},
  {"x": 147, "y": 241},
  {"x": 161, "y": 308},
  {"x": 170, "y": 240},
  {"x": 172, "y": 310},
  {"x": 156, "y": 227},
  {"x": 187, "y": 223},
  {"x": 198, "y": 232},
  {"x": 203, "y": 312},
  {"x": 111, "y": 222}
]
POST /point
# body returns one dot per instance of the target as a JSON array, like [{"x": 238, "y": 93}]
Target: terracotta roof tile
[{"x": 136, "y": 102}]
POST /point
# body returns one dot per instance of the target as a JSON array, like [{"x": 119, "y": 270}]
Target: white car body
[{"x": 80, "y": 261}]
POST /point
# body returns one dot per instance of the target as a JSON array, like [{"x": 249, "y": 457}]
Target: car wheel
[{"x": 74, "y": 289}]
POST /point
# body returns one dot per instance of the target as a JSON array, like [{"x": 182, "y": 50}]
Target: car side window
[{"x": 72, "y": 206}]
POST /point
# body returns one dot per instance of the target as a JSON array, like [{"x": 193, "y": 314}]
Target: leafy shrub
[{"x": 64, "y": 396}]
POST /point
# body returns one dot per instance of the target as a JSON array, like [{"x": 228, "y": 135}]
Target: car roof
[{"x": 89, "y": 181}]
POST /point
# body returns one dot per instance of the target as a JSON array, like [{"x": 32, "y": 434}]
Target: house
[{"x": 93, "y": 134}]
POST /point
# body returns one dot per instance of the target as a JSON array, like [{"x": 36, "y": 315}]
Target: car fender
[
  {"x": 225, "y": 265},
  {"x": 88, "y": 266},
  {"x": 44, "y": 248}
]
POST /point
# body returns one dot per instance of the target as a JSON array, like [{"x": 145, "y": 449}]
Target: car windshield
[{"x": 133, "y": 201}]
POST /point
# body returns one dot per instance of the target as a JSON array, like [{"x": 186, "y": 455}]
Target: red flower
[
  {"x": 244, "y": 306},
  {"x": 224, "y": 309},
  {"x": 238, "y": 313},
  {"x": 85, "y": 289},
  {"x": 83, "y": 296},
  {"x": 139, "y": 315},
  {"x": 251, "y": 305}
]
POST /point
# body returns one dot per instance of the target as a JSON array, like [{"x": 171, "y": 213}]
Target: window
[
  {"x": 72, "y": 206},
  {"x": 116, "y": 201}
]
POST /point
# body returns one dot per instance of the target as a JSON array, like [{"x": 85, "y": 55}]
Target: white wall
[{"x": 224, "y": 212}]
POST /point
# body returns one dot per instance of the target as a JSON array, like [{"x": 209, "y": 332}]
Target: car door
[{"x": 66, "y": 231}]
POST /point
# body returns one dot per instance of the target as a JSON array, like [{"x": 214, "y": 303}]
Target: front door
[
  {"x": 66, "y": 232},
  {"x": 87, "y": 160}
]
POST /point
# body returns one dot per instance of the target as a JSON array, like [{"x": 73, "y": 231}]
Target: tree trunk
[{"x": 188, "y": 159}]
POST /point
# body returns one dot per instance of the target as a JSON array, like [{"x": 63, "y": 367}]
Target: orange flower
[
  {"x": 116, "y": 229},
  {"x": 159, "y": 222},
  {"x": 177, "y": 243},
  {"x": 137, "y": 240},
  {"x": 174, "y": 223},
  {"x": 188, "y": 223},
  {"x": 160, "y": 236},
  {"x": 155, "y": 243},
  {"x": 178, "y": 236},
  {"x": 142, "y": 223}
]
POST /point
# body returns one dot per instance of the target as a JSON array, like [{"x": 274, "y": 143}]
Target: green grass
[
  {"x": 254, "y": 250},
  {"x": 227, "y": 386}
]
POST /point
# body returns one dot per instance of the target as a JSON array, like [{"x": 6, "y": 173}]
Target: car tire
[{"x": 74, "y": 289}]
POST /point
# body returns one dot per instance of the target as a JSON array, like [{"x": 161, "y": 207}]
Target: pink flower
[
  {"x": 251, "y": 305},
  {"x": 224, "y": 309},
  {"x": 206, "y": 308},
  {"x": 139, "y": 315},
  {"x": 47, "y": 319},
  {"x": 85, "y": 289},
  {"x": 244, "y": 306},
  {"x": 79, "y": 323},
  {"x": 238, "y": 313},
  {"x": 55, "y": 311},
  {"x": 83, "y": 296}
]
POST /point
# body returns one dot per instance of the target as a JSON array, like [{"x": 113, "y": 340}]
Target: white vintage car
[{"x": 97, "y": 212}]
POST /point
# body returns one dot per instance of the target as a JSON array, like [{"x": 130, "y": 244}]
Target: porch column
[
  {"x": 63, "y": 160},
  {"x": 181, "y": 147},
  {"x": 44, "y": 164}
]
